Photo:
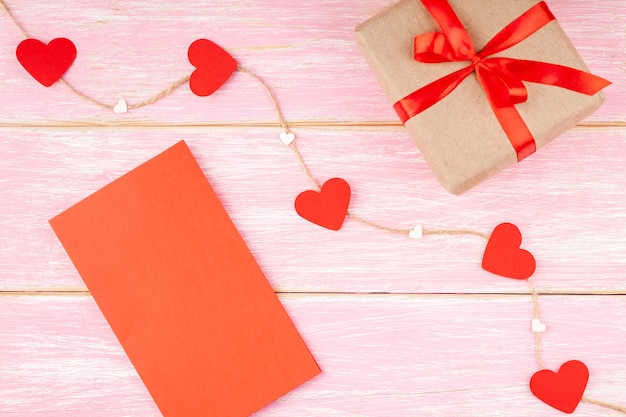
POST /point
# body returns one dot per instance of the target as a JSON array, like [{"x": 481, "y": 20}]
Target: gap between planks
[
  {"x": 347, "y": 125},
  {"x": 85, "y": 293}
]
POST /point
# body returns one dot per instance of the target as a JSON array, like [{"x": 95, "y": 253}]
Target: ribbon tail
[
  {"x": 511, "y": 121},
  {"x": 425, "y": 97},
  {"x": 557, "y": 75},
  {"x": 496, "y": 72},
  {"x": 433, "y": 48},
  {"x": 516, "y": 130}
]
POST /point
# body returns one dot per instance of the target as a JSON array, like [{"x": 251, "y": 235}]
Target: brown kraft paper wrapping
[{"x": 460, "y": 137}]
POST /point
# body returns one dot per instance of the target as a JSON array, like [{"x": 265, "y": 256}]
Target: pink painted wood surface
[
  {"x": 569, "y": 207},
  {"x": 408, "y": 352},
  {"x": 305, "y": 49},
  {"x": 381, "y": 355}
]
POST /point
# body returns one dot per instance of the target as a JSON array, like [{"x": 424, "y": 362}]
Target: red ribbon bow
[{"x": 501, "y": 78}]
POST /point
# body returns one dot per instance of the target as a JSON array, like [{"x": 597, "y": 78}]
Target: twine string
[
  {"x": 13, "y": 19},
  {"x": 85, "y": 96},
  {"x": 270, "y": 94},
  {"x": 305, "y": 169},
  {"x": 157, "y": 97},
  {"x": 146, "y": 102},
  {"x": 378, "y": 226},
  {"x": 610, "y": 406},
  {"x": 456, "y": 232},
  {"x": 537, "y": 315}
]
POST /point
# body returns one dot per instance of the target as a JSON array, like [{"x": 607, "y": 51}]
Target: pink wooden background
[{"x": 400, "y": 327}]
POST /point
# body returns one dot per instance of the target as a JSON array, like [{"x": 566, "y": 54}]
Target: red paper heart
[
  {"x": 562, "y": 390},
  {"x": 503, "y": 255},
  {"x": 46, "y": 63},
  {"x": 327, "y": 208},
  {"x": 214, "y": 67}
]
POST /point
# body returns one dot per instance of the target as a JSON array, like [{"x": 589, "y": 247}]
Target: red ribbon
[{"x": 501, "y": 78}]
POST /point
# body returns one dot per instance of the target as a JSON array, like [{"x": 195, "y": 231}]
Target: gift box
[{"x": 469, "y": 129}]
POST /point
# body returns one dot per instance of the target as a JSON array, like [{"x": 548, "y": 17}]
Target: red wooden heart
[
  {"x": 503, "y": 255},
  {"x": 562, "y": 390},
  {"x": 214, "y": 67},
  {"x": 46, "y": 63},
  {"x": 327, "y": 208}
]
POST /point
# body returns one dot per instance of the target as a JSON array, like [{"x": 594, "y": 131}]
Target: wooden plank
[
  {"x": 568, "y": 200},
  {"x": 306, "y": 52},
  {"x": 380, "y": 355}
]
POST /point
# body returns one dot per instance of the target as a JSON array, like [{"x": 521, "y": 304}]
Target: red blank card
[{"x": 182, "y": 292}]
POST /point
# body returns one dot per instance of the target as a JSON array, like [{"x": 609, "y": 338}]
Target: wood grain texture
[
  {"x": 380, "y": 355},
  {"x": 569, "y": 207},
  {"x": 406, "y": 351}
]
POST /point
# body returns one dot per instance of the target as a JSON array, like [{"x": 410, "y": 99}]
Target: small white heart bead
[
  {"x": 287, "y": 137},
  {"x": 121, "y": 106},
  {"x": 537, "y": 326},
  {"x": 417, "y": 232}
]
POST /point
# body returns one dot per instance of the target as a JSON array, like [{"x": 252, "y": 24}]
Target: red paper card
[{"x": 182, "y": 292}]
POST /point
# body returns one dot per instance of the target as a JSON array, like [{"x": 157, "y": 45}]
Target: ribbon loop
[
  {"x": 501, "y": 78},
  {"x": 452, "y": 28},
  {"x": 433, "y": 48}
]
